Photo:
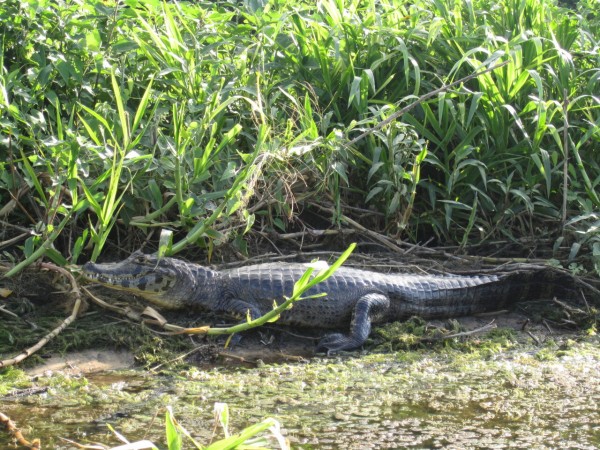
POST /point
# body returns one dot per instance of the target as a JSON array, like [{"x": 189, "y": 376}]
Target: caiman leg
[
  {"x": 239, "y": 308},
  {"x": 369, "y": 308}
]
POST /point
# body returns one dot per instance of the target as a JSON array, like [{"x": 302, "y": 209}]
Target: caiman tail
[{"x": 455, "y": 296}]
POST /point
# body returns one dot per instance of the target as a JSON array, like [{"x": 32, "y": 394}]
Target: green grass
[
  {"x": 247, "y": 438},
  {"x": 210, "y": 117}
]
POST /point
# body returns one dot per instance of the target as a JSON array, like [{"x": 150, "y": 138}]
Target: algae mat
[{"x": 530, "y": 397}]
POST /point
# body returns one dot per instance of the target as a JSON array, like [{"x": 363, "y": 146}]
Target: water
[{"x": 445, "y": 399}]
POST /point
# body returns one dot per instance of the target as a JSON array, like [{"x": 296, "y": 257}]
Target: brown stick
[
  {"x": 11, "y": 427},
  {"x": 75, "y": 290}
]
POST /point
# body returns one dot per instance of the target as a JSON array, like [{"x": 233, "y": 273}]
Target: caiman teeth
[{"x": 113, "y": 279}]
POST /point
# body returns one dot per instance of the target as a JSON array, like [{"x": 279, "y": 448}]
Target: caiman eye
[{"x": 140, "y": 259}]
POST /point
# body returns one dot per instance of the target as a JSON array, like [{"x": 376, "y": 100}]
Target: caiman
[{"x": 355, "y": 298}]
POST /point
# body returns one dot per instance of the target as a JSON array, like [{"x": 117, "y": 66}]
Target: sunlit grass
[{"x": 183, "y": 116}]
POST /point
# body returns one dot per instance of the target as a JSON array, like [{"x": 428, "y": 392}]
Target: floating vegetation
[{"x": 409, "y": 399}]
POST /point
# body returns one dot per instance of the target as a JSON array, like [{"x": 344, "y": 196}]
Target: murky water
[{"x": 453, "y": 400}]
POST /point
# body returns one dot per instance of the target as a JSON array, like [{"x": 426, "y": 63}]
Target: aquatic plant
[{"x": 175, "y": 434}]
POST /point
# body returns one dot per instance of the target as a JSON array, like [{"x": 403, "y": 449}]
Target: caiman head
[{"x": 167, "y": 282}]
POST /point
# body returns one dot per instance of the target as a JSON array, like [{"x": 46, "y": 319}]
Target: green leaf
[
  {"x": 143, "y": 106},
  {"x": 121, "y": 109},
  {"x": 29, "y": 246},
  {"x": 55, "y": 256},
  {"x": 124, "y": 46},
  {"x": 302, "y": 283},
  {"x": 93, "y": 41},
  {"x": 174, "y": 440},
  {"x": 240, "y": 438},
  {"x": 165, "y": 242},
  {"x": 340, "y": 168}
]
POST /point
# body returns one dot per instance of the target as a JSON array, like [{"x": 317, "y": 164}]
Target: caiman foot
[
  {"x": 336, "y": 342},
  {"x": 370, "y": 306}
]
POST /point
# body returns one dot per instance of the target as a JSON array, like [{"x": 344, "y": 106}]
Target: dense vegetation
[{"x": 218, "y": 119}]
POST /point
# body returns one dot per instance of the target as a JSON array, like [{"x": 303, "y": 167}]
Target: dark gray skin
[{"x": 355, "y": 298}]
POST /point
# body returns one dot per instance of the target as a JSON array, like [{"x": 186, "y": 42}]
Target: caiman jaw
[
  {"x": 140, "y": 274},
  {"x": 141, "y": 282}
]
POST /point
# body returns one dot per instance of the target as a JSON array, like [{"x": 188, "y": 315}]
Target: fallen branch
[
  {"x": 75, "y": 291},
  {"x": 532, "y": 336},
  {"x": 154, "y": 317},
  {"x": 10, "y": 313},
  {"x": 11, "y": 427},
  {"x": 569, "y": 310},
  {"x": 14, "y": 240}
]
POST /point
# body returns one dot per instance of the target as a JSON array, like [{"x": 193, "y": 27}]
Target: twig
[
  {"x": 587, "y": 305},
  {"x": 569, "y": 309},
  {"x": 495, "y": 260},
  {"x": 75, "y": 291},
  {"x": 14, "y": 240},
  {"x": 391, "y": 244},
  {"x": 421, "y": 99},
  {"x": 10, "y": 313},
  {"x": 240, "y": 359},
  {"x": 376, "y": 236},
  {"x": 315, "y": 233},
  {"x": 127, "y": 312},
  {"x": 536, "y": 340},
  {"x": 156, "y": 318},
  {"x": 13, "y": 430},
  {"x": 588, "y": 286},
  {"x": 83, "y": 446},
  {"x": 489, "y": 326},
  {"x": 177, "y": 358},
  {"x": 6, "y": 224}
]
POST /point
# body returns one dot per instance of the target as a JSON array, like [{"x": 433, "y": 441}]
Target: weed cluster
[{"x": 204, "y": 118}]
